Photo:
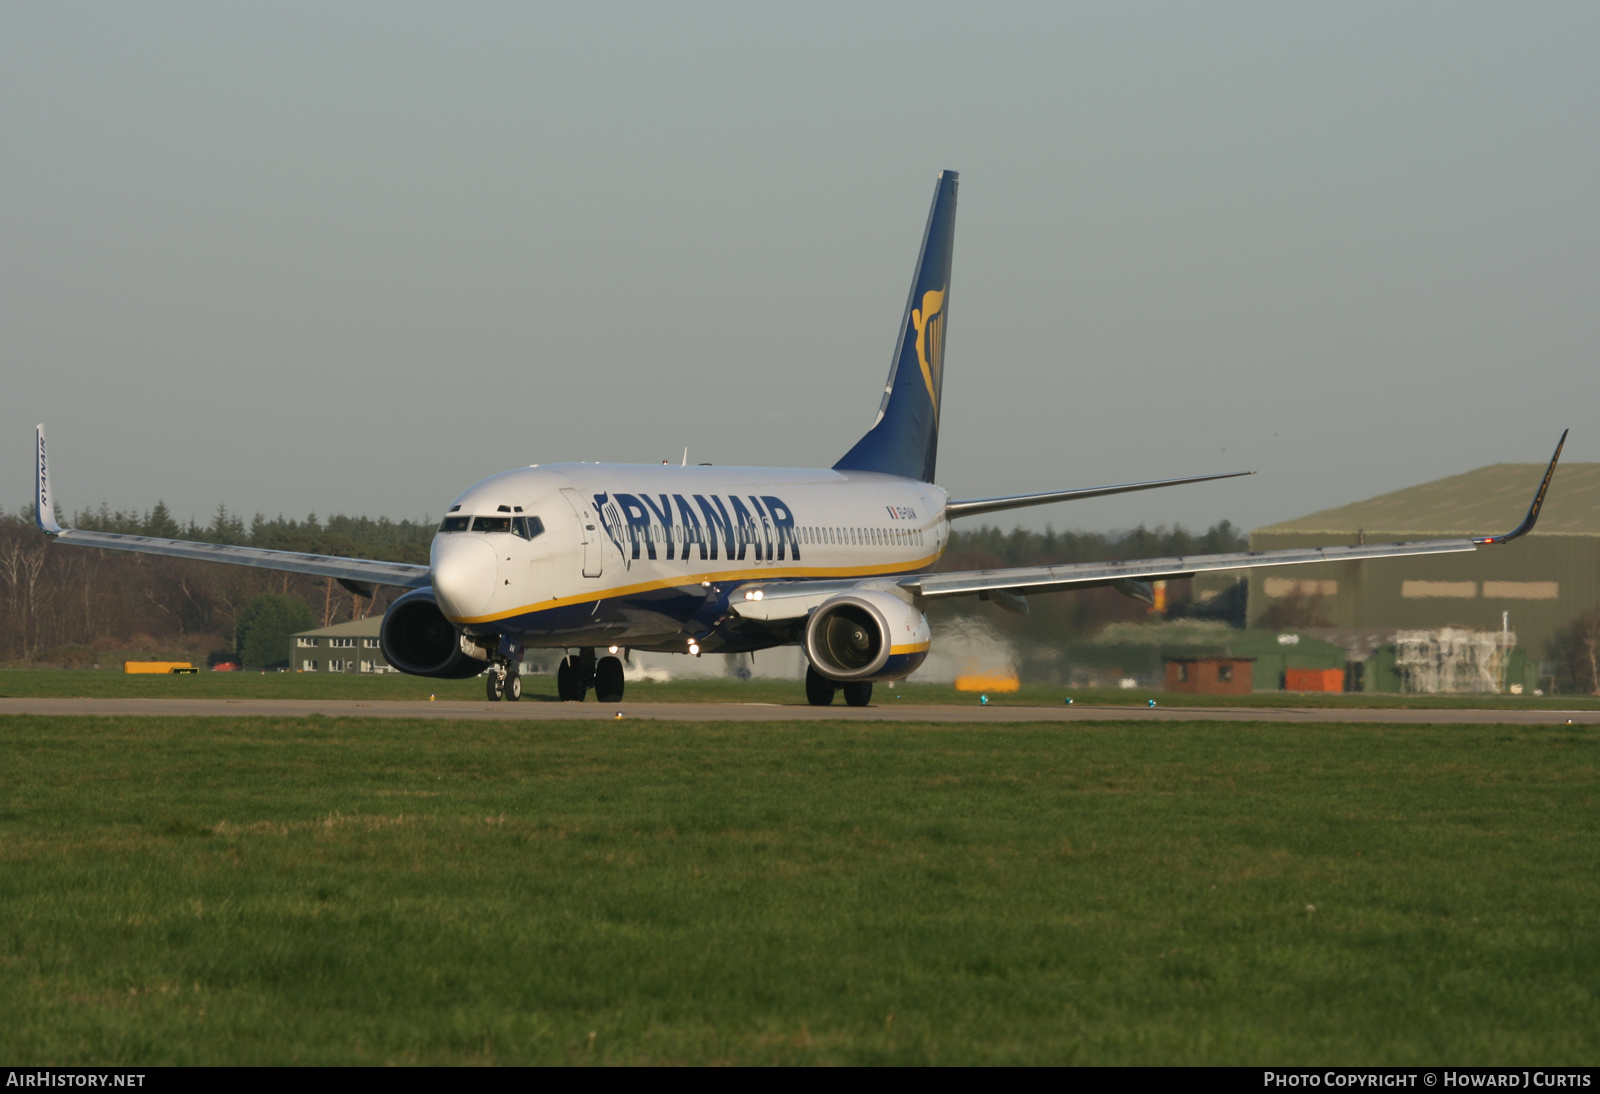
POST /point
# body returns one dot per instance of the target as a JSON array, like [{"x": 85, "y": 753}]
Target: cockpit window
[{"x": 526, "y": 527}]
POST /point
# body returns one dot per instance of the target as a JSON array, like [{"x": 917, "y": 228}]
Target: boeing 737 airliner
[{"x": 591, "y": 557}]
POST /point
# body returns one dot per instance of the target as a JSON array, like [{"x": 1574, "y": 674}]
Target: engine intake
[
  {"x": 417, "y": 639},
  {"x": 866, "y": 636}
]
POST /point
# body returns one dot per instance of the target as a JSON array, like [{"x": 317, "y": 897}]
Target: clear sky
[{"x": 346, "y": 257}]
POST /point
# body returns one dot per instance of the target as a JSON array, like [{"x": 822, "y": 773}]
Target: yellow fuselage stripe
[{"x": 893, "y": 570}]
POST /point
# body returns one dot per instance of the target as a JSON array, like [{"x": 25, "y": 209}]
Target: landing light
[
  {"x": 754, "y": 594},
  {"x": 613, "y": 649}
]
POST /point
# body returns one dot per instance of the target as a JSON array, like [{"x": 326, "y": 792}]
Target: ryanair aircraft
[{"x": 603, "y": 558}]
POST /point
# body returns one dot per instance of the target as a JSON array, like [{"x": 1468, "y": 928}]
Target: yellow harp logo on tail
[{"x": 929, "y": 322}]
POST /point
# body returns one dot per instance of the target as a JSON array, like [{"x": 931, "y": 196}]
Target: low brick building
[{"x": 1210, "y": 675}]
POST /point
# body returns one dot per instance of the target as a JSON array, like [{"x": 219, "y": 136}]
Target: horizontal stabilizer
[{"x": 979, "y": 506}]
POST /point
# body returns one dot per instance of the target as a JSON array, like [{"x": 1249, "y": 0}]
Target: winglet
[
  {"x": 1533, "y": 510},
  {"x": 44, "y": 512}
]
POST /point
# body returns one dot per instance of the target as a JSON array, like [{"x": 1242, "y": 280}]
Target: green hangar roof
[{"x": 1488, "y": 500}]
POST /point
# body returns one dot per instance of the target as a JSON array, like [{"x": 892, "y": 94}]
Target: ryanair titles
[{"x": 671, "y": 526}]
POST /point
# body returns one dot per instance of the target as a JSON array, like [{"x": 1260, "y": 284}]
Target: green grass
[
  {"x": 542, "y": 688},
  {"x": 265, "y": 890}
]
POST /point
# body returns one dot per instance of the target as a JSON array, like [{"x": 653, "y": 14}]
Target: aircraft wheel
[
  {"x": 608, "y": 680},
  {"x": 513, "y": 687},
  {"x": 858, "y": 694},
  {"x": 819, "y": 689},
  {"x": 569, "y": 681},
  {"x": 495, "y": 685}
]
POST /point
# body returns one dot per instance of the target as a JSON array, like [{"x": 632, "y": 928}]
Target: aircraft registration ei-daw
[{"x": 587, "y": 556}]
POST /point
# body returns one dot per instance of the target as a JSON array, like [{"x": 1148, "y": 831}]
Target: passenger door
[{"x": 588, "y": 528}]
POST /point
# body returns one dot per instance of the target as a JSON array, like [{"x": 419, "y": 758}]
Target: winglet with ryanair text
[{"x": 44, "y": 511}]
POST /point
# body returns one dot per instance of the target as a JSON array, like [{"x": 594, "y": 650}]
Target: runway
[{"x": 771, "y": 712}]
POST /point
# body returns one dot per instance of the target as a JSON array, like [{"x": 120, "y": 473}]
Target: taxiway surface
[{"x": 772, "y": 712}]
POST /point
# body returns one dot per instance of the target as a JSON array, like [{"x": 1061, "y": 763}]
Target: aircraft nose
[{"x": 464, "y": 570}]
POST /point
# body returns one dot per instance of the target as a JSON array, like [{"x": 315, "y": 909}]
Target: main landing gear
[
  {"x": 608, "y": 681},
  {"x": 820, "y": 690},
  {"x": 579, "y": 672}
]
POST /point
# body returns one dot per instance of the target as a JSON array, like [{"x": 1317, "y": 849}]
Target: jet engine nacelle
[
  {"x": 866, "y": 636},
  {"x": 417, "y": 639}
]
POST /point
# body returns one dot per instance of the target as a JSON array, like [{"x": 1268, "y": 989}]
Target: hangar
[{"x": 1533, "y": 587}]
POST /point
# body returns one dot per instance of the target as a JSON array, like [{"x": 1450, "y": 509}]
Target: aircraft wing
[
  {"x": 359, "y": 570},
  {"x": 1025, "y": 580},
  {"x": 1010, "y": 584},
  {"x": 356, "y": 573}
]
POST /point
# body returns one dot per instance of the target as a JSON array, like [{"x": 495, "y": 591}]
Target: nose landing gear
[
  {"x": 504, "y": 682},
  {"x": 505, "y": 672}
]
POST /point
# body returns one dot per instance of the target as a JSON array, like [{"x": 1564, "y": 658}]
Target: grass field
[
  {"x": 35, "y": 683},
  {"x": 262, "y": 890}
]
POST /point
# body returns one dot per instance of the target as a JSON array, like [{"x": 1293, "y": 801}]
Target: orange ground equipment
[{"x": 1313, "y": 679}]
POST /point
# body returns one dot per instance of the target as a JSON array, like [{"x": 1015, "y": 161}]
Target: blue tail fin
[{"x": 905, "y": 438}]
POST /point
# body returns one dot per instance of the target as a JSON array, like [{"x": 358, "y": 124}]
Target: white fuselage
[{"x": 629, "y": 554}]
